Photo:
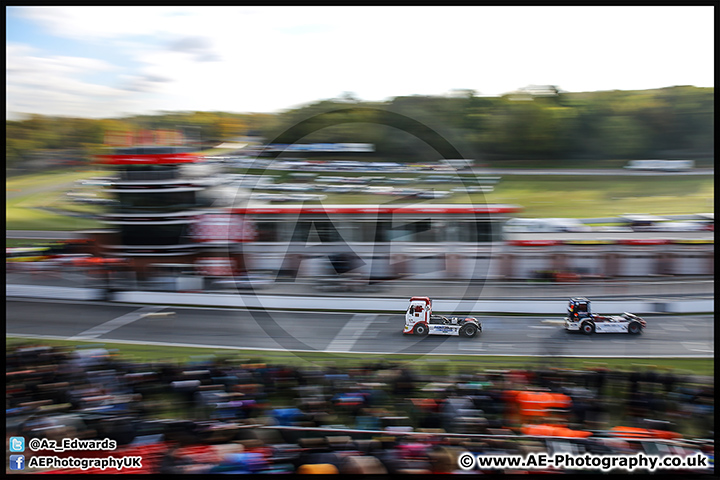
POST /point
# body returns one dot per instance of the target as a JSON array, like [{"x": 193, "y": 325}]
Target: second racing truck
[{"x": 581, "y": 319}]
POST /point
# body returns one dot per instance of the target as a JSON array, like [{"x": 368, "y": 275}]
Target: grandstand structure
[{"x": 165, "y": 222}]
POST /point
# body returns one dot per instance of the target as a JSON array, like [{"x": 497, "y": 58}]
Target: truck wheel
[
  {"x": 468, "y": 331},
  {"x": 587, "y": 328},
  {"x": 634, "y": 328},
  {"x": 421, "y": 329}
]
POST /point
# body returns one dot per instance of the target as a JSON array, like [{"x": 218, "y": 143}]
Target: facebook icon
[{"x": 17, "y": 462}]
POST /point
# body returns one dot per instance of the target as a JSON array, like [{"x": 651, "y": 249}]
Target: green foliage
[{"x": 555, "y": 128}]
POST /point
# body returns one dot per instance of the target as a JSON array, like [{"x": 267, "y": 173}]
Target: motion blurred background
[{"x": 512, "y": 154}]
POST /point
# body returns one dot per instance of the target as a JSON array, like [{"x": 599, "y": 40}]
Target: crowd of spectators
[{"x": 225, "y": 415}]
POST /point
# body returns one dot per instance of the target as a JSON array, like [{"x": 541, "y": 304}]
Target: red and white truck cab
[{"x": 419, "y": 320}]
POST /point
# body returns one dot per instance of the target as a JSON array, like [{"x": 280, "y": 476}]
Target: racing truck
[
  {"x": 581, "y": 319},
  {"x": 419, "y": 320}
]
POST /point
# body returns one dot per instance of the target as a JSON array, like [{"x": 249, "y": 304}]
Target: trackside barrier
[
  {"x": 46, "y": 291},
  {"x": 357, "y": 304},
  {"x": 369, "y": 304}
]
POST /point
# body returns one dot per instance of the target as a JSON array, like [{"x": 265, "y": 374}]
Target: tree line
[{"x": 548, "y": 127}]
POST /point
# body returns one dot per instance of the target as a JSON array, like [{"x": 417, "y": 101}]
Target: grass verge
[
  {"x": 431, "y": 364},
  {"x": 26, "y": 195},
  {"x": 539, "y": 196}
]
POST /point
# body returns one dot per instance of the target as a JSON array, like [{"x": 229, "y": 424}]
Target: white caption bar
[{"x": 539, "y": 461}]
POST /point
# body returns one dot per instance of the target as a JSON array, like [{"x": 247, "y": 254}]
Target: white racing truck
[
  {"x": 581, "y": 319},
  {"x": 419, "y": 320}
]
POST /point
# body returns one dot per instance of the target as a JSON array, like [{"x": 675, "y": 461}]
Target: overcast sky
[{"x": 103, "y": 62}]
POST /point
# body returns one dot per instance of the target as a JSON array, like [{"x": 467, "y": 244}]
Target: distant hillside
[{"x": 530, "y": 127}]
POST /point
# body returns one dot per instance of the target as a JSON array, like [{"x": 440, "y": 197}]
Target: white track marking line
[
  {"x": 350, "y": 333},
  {"x": 118, "y": 322},
  {"x": 471, "y": 346},
  {"x": 698, "y": 346},
  {"x": 673, "y": 327}
]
